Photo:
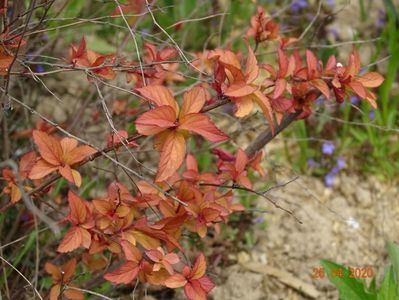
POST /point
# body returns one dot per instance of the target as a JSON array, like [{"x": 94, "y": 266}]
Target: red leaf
[
  {"x": 194, "y": 100},
  {"x": 311, "y": 64},
  {"x": 159, "y": 95},
  {"x": 72, "y": 240},
  {"x": 202, "y": 125},
  {"x": 371, "y": 79},
  {"x": 78, "y": 154},
  {"x": 131, "y": 252},
  {"x": 78, "y": 212},
  {"x": 172, "y": 156},
  {"x": 358, "y": 89},
  {"x": 53, "y": 270},
  {"x": 322, "y": 86},
  {"x": 279, "y": 88},
  {"x": 71, "y": 175},
  {"x": 199, "y": 267},
  {"x": 241, "y": 161},
  {"x": 156, "y": 120},
  {"x": 41, "y": 169},
  {"x": 251, "y": 68},
  {"x": 5, "y": 62},
  {"x": 175, "y": 281},
  {"x": 49, "y": 148},
  {"x": 266, "y": 107},
  {"x": 194, "y": 291},
  {"x": 282, "y": 63},
  {"x": 69, "y": 269},
  {"x": 240, "y": 90},
  {"x": 124, "y": 274}
]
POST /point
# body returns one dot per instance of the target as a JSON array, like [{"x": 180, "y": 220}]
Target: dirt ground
[{"x": 348, "y": 224}]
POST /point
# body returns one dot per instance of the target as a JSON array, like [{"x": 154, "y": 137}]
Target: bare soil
[{"x": 348, "y": 224}]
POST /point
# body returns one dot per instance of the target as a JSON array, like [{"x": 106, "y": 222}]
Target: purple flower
[
  {"x": 340, "y": 163},
  {"x": 335, "y": 170},
  {"x": 259, "y": 220},
  {"x": 297, "y": 5},
  {"x": 355, "y": 100},
  {"x": 380, "y": 23},
  {"x": 329, "y": 179},
  {"x": 311, "y": 163},
  {"x": 40, "y": 69},
  {"x": 328, "y": 148},
  {"x": 334, "y": 32},
  {"x": 330, "y": 2},
  {"x": 371, "y": 114}
]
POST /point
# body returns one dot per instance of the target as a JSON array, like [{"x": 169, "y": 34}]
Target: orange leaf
[
  {"x": 194, "y": 100},
  {"x": 175, "y": 281},
  {"x": 266, "y": 107},
  {"x": 226, "y": 57},
  {"x": 240, "y": 90},
  {"x": 26, "y": 163},
  {"x": 78, "y": 212},
  {"x": 159, "y": 95},
  {"x": 69, "y": 269},
  {"x": 49, "y": 148},
  {"x": 78, "y": 154},
  {"x": 41, "y": 169},
  {"x": 311, "y": 64},
  {"x": 73, "y": 294},
  {"x": 131, "y": 252},
  {"x": 68, "y": 144},
  {"x": 279, "y": 88},
  {"x": 322, "y": 86},
  {"x": 71, "y": 175},
  {"x": 251, "y": 68},
  {"x": 194, "y": 291},
  {"x": 5, "y": 62},
  {"x": 86, "y": 238},
  {"x": 371, "y": 79},
  {"x": 53, "y": 270},
  {"x": 148, "y": 242},
  {"x": 124, "y": 274},
  {"x": 102, "y": 206},
  {"x": 241, "y": 161},
  {"x": 15, "y": 193},
  {"x": 244, "y": 106},
  {"x": 199, "y": 267},
  {"x": 172, "y": 156},
  {"x": 55, "y": 292},
  {"x": 156, "y": 120},
  {"x": 202, "y": 125},
  {"x": 72, "y": 240},
  {"x": 282, "y": 63},
  {"x": 358, "y": 88}
]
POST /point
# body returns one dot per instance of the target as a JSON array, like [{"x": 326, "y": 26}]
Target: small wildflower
[
  {"x": 340, "y": 163},
  {"x": 371, "y": 114},
  {"x": 39, "y": 69},
  {"x": 330, "y": 2},
  {"x": 298, "y": 5},
  {"x": 29, "y": 56},
  {"x": 334, "y": 32},
  {"x": 355, "y": 100},
  {"x": 380, "y": 23},
  {"x": 328, "y": 148},
  {"x": 335, "y": 170},
  {"x": 259, "y": 220},
  {"x": 329, "y": 179},
  {"x": 311, "y": 163}
]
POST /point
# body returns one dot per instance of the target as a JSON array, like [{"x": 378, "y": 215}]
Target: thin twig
[{"x": 23, "y": 276}]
